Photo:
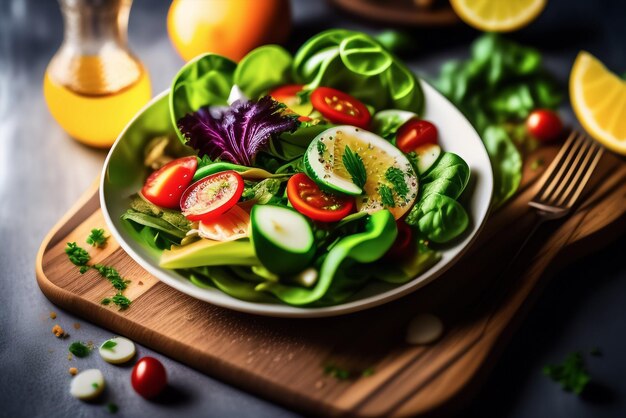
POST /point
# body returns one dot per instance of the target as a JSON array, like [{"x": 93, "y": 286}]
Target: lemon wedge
[
  {"x": 599, "y": 100},
  {"x": 498, "y": 15}
]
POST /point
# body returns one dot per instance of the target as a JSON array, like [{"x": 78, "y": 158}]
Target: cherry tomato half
[
  {"x": 544, "y": 124},
  {"x": 307, "y": 198},
  {"x": 414, "y": 133},
  {"x": 211, "y": 196},
  {"x": 288, "y": 95},
  {"x": 403, "y": 246},
  {"x": 148, "y": 377},
  {"x": 340, "y": 107},
  {"x": 165, "y": 186}
]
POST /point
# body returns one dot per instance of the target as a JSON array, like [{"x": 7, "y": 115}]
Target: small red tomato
[
  {"x": 545, "y": 125},
  {"x": 165, "y": 186},
  {"x": 148, "y": 377},
  {"x": 306, "y": 197},
  {"x": 340, "y": 107},
  {"x": 414, "y": 133},
  {"x": 403, "y": 246}
]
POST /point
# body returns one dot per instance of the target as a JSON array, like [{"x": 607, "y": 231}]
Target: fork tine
[
  {"x": 572, "y": 171},
  {"x": 578, "y": 186},
  {"x": 554, "y": 172}
]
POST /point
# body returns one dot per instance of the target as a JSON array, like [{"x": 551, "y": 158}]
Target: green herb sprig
[
  {"x": 97, "y": 238},
  {"x": 386, "y": 196},
  {"x": 118, "y": 299},
  {"x": 395, "y": 176},
  {"x": 108, "y": 345},
  {"x": 354, "y": 166},
  {"x": 79, "y": 349},
  {"x": 112, "y": 275},
  {"x": 77, "y": 255},
  {"x": 572, "y": 374}
]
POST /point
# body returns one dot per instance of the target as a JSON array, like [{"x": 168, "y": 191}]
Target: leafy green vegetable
[
  {"x": 448, "y": 176},
  {"x": 364, "y": 247},
  {"x": 354, "y": 166},
  {"x": 238, "y": 133},
  {"x": 500, "y": 85},
  {"x": 173, "y": 223},
  {"x": 437, "y": 214},
  {"x": 79, "y": 349},
  {"x": 291, "y": 145},
  {"x": 386, "y": 122},
  {"x": 572, "y": 374},
  {"x": 97, "y": 238},
  {"x": 263, "y": 192},
  {"x": 359, "y": 65},
  {"x": 203, "y": 81},
  {"x": 263, "y": 68},
  {"x": 77, "y": 255},
  {"x": 506, "y": 162},
  {"x": 439, "y": 217},
  {"x": 108, "y": 345}
]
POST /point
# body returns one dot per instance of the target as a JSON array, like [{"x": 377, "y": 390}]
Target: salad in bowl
[{"x": 309, "y": 181}]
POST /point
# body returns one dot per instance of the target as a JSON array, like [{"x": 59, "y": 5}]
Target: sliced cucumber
[
  {"x": 282, "y": 238},
  {"x": 427, "y": 156},
  {"x": 323, "y": 162}
]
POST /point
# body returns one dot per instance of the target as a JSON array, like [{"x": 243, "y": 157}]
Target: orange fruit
[{"x": 227, "y": 27}]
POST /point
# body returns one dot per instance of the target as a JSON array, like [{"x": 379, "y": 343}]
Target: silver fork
[{"x": 563, "y": 181}]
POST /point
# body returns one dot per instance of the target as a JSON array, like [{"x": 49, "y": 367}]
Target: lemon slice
[
  {"x": 498, "y": 15},
  {"x": 599, "y": 100}
]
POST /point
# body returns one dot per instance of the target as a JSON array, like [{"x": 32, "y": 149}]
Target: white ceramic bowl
[{"x": 123, "y": 175}]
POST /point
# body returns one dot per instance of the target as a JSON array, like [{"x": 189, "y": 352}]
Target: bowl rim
[{"x": 280, "y": 309}]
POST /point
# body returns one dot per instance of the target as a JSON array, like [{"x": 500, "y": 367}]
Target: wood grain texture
[{"x": 283, "y": 359}]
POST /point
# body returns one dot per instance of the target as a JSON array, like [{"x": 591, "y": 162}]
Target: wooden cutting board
[{"x": 284, "y": 359}]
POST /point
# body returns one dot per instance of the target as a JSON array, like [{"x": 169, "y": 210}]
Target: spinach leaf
[
  {"x": 506, "y": 162},
  {"x": 154, "y": 222},
  {"x": 263, "y": 192},
  {"x": 497, "y": 88},
  {"x": 204, "y": 81},
  {"x": 449, "y": 176},
  {"x": 359, "y": 65},
  {"x": 263, "y": 68},
  {"x": 440, "y": 218},
  {"x": 386, "y": 122}
]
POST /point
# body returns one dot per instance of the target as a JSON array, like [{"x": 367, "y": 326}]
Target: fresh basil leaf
[{"x": 440, "y": 218}]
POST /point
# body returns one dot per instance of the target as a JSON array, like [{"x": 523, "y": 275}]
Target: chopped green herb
[
  {"x": 112, "y": 275},
  {"x": 108, "y": 345},
  {"x": 97, "y": 238},
  {"x": 95, "y": 385},
  {"x": 76, "y": 254},
  {"x": 395, "y": 176},
  {"x": 122, "y": 301},
  {"x": 572, "y": 374},
  {"x": 386, "y": 196},
  {"x": 79, "y": 349},
  {"x": 84, "y": 269},
  {"x": 536, "y": 164},
  {"x": 354, "y": 166},
  {"x": 337, "y": 372},
  {"x": 368, "y": 372},
  {"x": 321, "y": 148},
  {"x": 112, "y": 408},
  {"x": 105, "y": 301}
]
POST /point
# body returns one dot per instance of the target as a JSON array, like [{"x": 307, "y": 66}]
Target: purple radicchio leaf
[{"x": 238, "y": 133}]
